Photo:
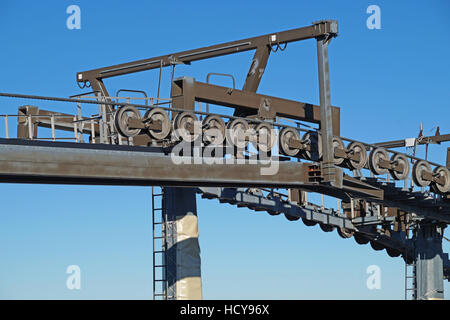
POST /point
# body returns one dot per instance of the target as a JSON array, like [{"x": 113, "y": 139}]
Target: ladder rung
[
  {"x": 157, "y": 209},
  {"x": 158, "y": 280},
  {"x": 158, "y": 237},
  {"x": 159, "y": 251},
  {"x": 160, "y": 266},
  {"x": 158, "y": 222}
]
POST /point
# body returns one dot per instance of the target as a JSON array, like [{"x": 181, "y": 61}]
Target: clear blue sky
[{"x": 386, "y": 82}]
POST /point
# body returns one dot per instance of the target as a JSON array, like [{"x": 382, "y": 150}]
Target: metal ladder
[
  {"x": 410, "y": 272},
  {"x": 159, "y": 245}
]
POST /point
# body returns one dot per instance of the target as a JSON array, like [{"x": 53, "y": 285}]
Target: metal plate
[
  {"x": 121, "y": 121},
  {"x": 399, "y": 159},
  {"x": 214, "y": 132},
  {"x": 376, "y": 156},
  {"x": 419, "y": 168},
  {"x": 158, "y": 114},
  {"x": 235, "y": 133},
  {"x": 353, "y": 148},
  {"x": 285, "y": 135}
]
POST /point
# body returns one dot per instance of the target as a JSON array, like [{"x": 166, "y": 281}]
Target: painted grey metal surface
[
  {"x": 183, "y": 264},
  {"x": 429, "y": 261},
  {"x": 276, "y": 204}
]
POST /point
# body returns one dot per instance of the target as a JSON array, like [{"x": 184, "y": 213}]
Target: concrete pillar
[
  {"x": 429, "y": 262},
  {"x": 183, "y": 250}
]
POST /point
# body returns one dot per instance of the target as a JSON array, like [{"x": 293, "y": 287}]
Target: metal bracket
[{"x": 265, "y": 110}]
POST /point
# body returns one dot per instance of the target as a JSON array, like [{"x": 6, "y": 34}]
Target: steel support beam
[
  {"x": 326, "y": 122},
  {"x": 185, "y": 91},
  {"x": 257, "y": 68},
  {"x": 186, "y": 57},
  {"x": 429, "y": 261},
  {"x": 424, "y": 140},
  {"x": 308, "y": 212},
  {"x": 41, "y": 162}
]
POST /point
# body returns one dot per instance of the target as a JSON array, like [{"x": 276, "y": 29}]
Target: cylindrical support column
[
  {"x": 326, "y": 121},
  {"x": 429, "y": 262},
  {"x": 182, "y": 246}
]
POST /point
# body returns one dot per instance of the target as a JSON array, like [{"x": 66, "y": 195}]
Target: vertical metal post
[
  {"x": 429, "y": 261},
  {"x": 105, "y": 124},
  {"x": 326, "y": 121},
  {"x": 80, "y": 124},
  {"x": 111, "y": 130},
  {"x": 322, "y": 201},
  {"x": 75, "y": 128},
  {"x": 92, "y": 131},
  {"x": 52, "y": 125},
  {"x": 6, "y": 127},
  {"x": 30, "y": 127},
  {"x": 101, "y": 122}
]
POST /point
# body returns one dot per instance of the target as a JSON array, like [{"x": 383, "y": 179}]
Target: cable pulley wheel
[
  {"x": 273, "y": 212},
  {"x": 376, "y": 246},
  {"x": 400, "y": 159},
  {"x": 419, "y": 168},
  {"x": 214, "y": 130},
  {"x": 345, "y": 233},
  {"x": 309, "y": 223},
  {"x": 121, "y": 117},
  {"x": 361, "y": 239},
  {"x": 357, "y": 148},
  {"x": 287, "y": 134},
  {"x": 338, "y": 144},
  {"x": 407, "y": 258},
  {"x": 315, "y": 143},
  {"x": 375, "y": 157},
  {"x": 184, "y": 126},
  {"x": 265, "y": 137},
  {"x": 393, "y": 253},
  {"x": 235, "y": 134},
  {"x": 444, "y": 174},
  {"x": 326, "y": 227},
  {"x": 291, "y": 218},
  {"x": 158, "y": 115}
]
